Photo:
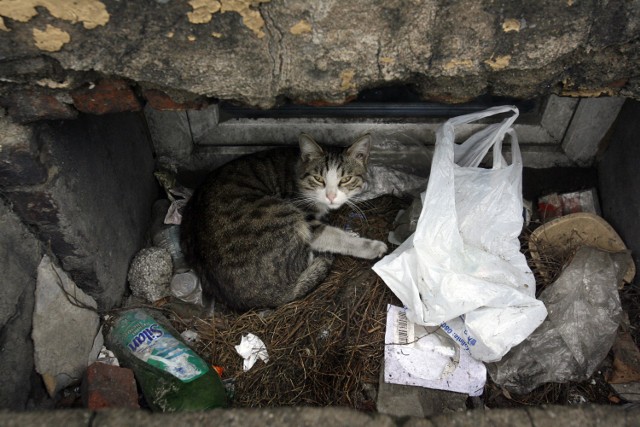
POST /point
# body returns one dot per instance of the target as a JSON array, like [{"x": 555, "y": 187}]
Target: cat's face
[{"x": 331, "y": 178}]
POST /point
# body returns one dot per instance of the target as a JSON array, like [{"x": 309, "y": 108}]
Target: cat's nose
[{"x": 331, "y": 197}]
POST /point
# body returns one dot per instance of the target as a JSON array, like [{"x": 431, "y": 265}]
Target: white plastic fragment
[
  {"x": 189, "y": 336},
  {"x": 107, "y": 357},
  {"x": 251, "y": 348}
]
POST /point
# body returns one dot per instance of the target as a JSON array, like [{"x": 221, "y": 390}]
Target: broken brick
[
  {"x": 28, "y": 106},
  {"x": 107, "y": 386},
  {"x": 107, "y": 96}
]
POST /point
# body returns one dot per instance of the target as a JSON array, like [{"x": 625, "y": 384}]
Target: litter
[
  {"x": 187, "y": 287},
  {"x": 418, "y": 356},
  {"x": 171, "y": 375},
  {"x": 558, "y": 239},
  {"x": 584, "y": 313},
  {"x": 190, "y": 337},
  {"x": 251, "y": 348},
  {"x": 555, "y": 205},
  {"x": 462, "y": 269},
  {"x": 107, "y": 357}
]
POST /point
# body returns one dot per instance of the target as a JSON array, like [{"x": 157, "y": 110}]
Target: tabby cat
[{"x": 252, "y": 230}]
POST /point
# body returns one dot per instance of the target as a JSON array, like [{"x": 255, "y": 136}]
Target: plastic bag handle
[{"x": 471, "y": 152}]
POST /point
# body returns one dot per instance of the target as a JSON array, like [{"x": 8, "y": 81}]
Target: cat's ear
[
  {"x": 309, "y": 149},
  {"x": 359, "y": 150}
]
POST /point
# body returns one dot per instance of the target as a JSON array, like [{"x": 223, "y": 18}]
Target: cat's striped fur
[{"x": 252, "y": 230}]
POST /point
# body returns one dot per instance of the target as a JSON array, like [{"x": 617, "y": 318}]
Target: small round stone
[{"x": 150, "y": 274}]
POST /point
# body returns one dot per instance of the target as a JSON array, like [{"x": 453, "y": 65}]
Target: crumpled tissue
[{"x": 251, "y": 348}]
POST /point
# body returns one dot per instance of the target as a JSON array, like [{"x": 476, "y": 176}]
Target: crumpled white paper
[{"x": 251, "y": 348}]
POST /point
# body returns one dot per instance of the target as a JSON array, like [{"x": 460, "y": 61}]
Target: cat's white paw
[{"x": 373, "y": 249}]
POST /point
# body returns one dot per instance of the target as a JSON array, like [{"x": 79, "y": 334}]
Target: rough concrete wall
[
  {"x": 620, "y": 181},
  {"x": 86, "y": 187},
  {"x": 318, "y": 51},
  {"x": 20, "y": 254}
]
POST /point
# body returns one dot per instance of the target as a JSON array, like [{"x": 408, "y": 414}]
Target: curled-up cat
[{"x": 252, "y": 230}]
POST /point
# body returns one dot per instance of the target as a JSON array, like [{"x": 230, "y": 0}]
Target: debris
[
  {"x": 106, "y": 386},
  {"x": 552, "y": 244},
  {"x": 165, "y": 235},
  {"x": 65, "y": 327},
  {"x": 626, "y": 360},
  {"x": 624, "y": 377},
  {"x": 177, "y": 194},
  {"x": 251, "y": 348},
  {"x": 191, "y": 337},
  {"x": 172, "y": 376},
  {"x": 555, "y": 205},
  {"x": 406, "y": 222},
  {"x": 107, "y": 357},
  {"x": 187, "y": 287},
  {"x": 419, "y": 356},
  {"x": 584, "y": 313}
]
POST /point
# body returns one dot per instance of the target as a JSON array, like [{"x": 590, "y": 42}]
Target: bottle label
[{"x": 153, "y": 344}]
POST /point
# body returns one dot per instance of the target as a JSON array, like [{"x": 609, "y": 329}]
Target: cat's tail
[{"x": 312, "y": 276}]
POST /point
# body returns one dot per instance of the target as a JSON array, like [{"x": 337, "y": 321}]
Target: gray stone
[
  {"x": 547, "y": 416},
  {"x": 65, "y": 325},
  {"x": 248, "y": 417},
  {"x": 583, "y": 416},
  {"x": 590, "y": 123},
  {"x": 67, "y": 418},
  {"x": 170, "y": 133},
  {"x": 20, "y": 253},
  {"x": 150, "y": 274},
  {"x": 94, "y": 208},
  {"x": 409, "y": 401}
]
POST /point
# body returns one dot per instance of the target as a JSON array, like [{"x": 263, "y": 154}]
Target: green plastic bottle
[{"x": 172, "y": 376}]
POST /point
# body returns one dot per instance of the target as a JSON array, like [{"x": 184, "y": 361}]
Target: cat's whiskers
[
  {"x": 366, "y": 203},
  {"x": 303, "y": 201},
  {"x": 354, "y": 207}
]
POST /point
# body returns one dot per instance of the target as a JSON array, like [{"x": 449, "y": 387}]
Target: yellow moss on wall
[
  {"x": 91, "y": 13},
  {"x": 302, "y": 27},
  {"x": 499, "y": 62},
  {"x": 347, "y": 82},
  {"x": 510, "y": 25},
  {"x": 51, "y": 39},
  {"x": 203, "y": 11}
]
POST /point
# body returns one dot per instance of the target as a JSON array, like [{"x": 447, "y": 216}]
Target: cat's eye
[
  {"x": 319, "y": 179},
  {"x": 345, "y": 180}
]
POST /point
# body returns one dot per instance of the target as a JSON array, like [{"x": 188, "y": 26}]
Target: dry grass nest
[{"x": 325, "y": 349}]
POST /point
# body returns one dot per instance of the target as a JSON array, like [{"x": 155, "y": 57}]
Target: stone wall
[
  {"x": 20, "y": 254},
  {"x": 619, "y": 182},
  {"x": 61, "y": 58},
  {"x": 86, "y": 188}
]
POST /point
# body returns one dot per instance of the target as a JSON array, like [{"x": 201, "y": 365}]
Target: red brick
[
  {"x": 159, "y": 100},
  {"x": 107, "y": 96},
  {"x": 106, "y": 386}
]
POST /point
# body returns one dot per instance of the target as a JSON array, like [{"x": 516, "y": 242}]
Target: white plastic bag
[{"x": 462, "y": 269}]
